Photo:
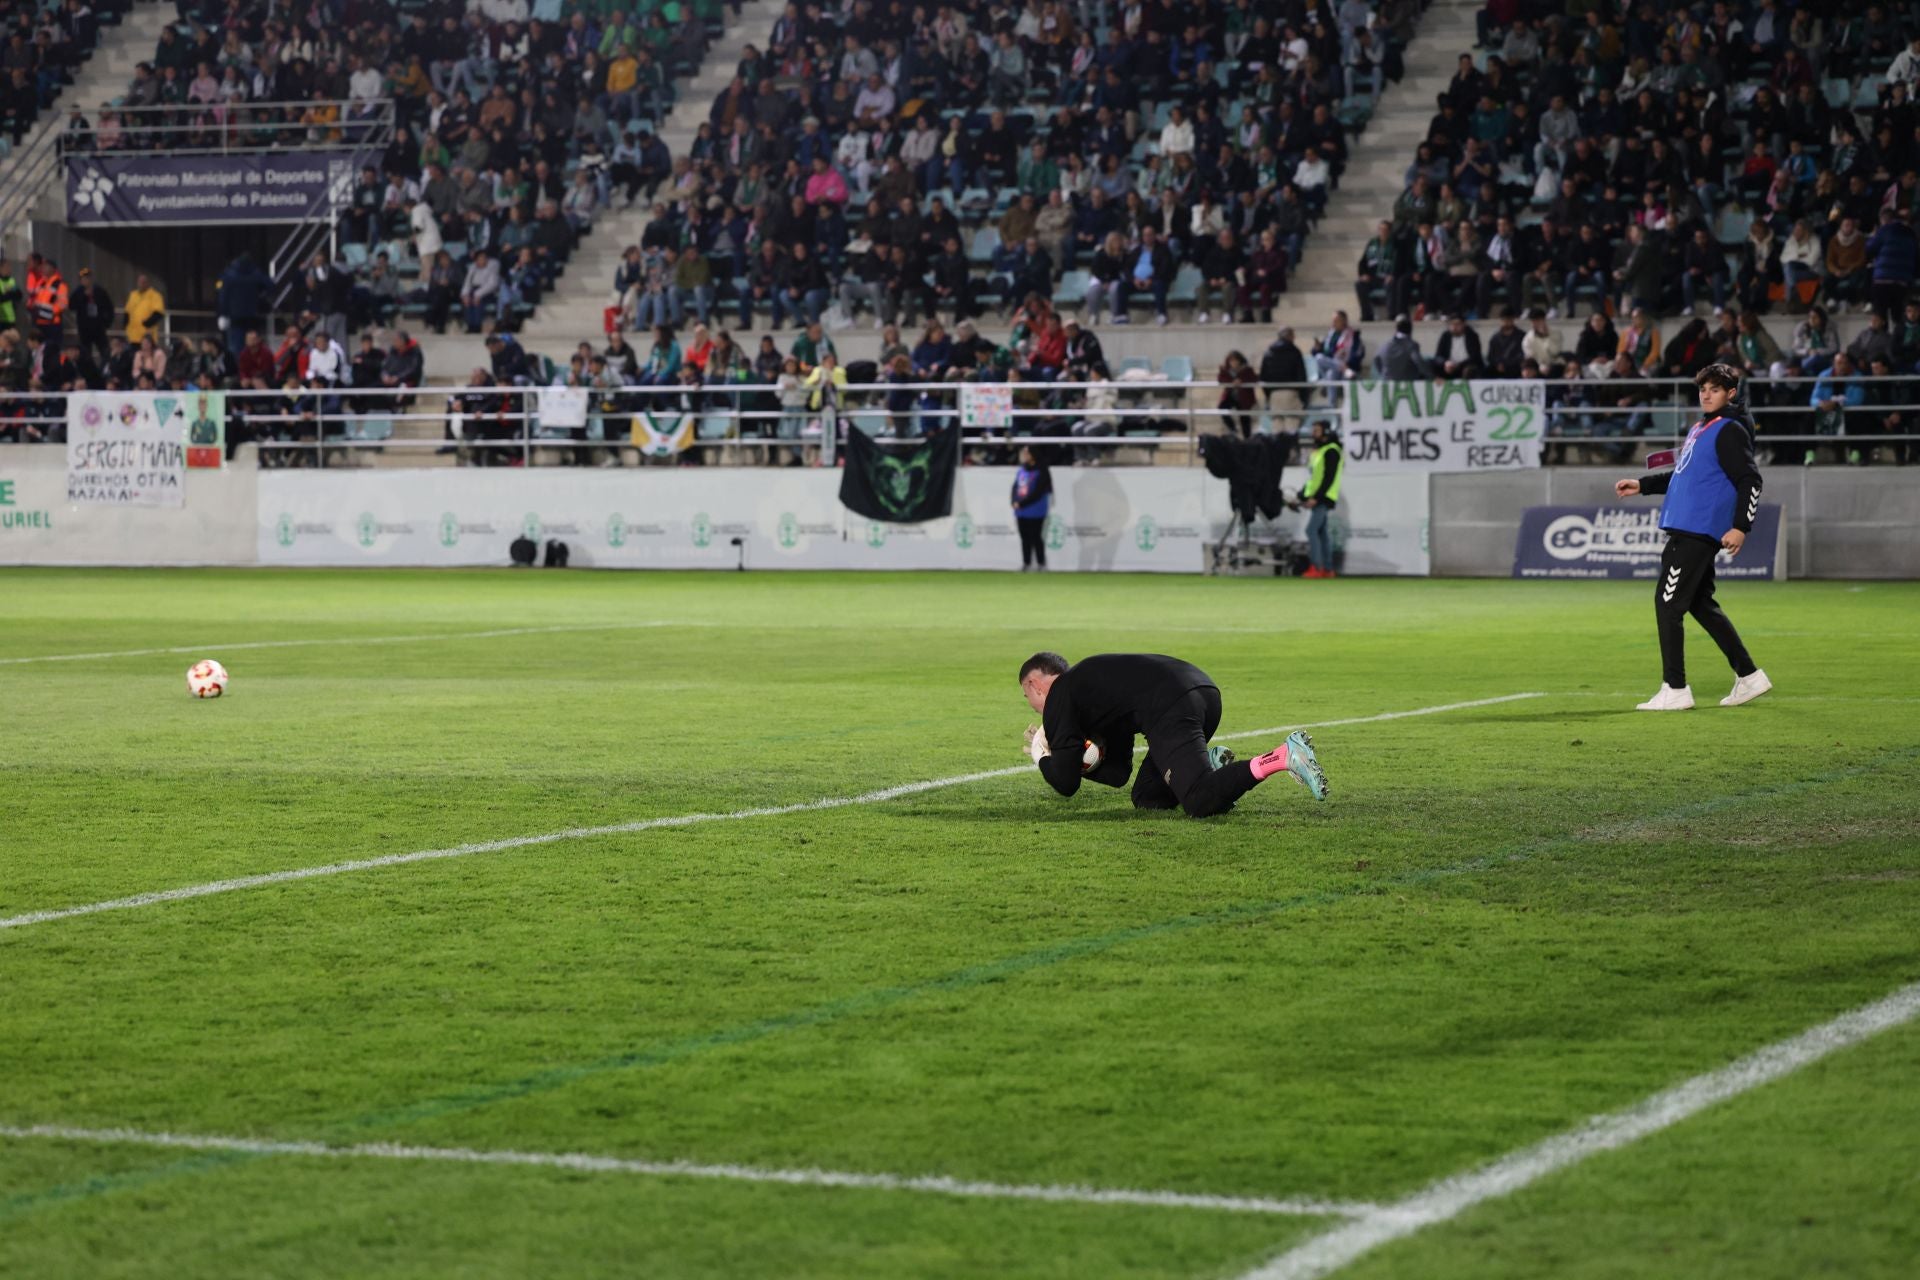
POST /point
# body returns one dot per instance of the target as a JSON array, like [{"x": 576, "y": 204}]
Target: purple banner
[{"x": 158, "y": 187}]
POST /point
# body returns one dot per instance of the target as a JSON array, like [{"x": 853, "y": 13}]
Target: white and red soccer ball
[{"x": 206, "y": 679}]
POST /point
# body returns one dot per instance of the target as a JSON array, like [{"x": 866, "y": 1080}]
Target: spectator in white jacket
[
  {"x": 426, "y": 231},
  {"x": 1906, "y": 65},
  {"x": 1541, "y": 345},
  {"x": 1177, "y": 137},
  {"x": 325, "y": 364},
  {"x": 479, "y": 288},
  {"x": 1800, "y": 259}
]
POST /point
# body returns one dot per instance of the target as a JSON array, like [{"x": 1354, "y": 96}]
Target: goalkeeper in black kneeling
[{"x": 1109, "y": 699}]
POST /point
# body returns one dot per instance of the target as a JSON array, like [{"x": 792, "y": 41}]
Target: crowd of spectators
[
  {"x": 892, "y": 161},
  {"x": 42, "y": 45},
  {"x": 1663, "y": 155},
  {"x": 509, "y": 126},
  {"x": 1714, "y": 162}
]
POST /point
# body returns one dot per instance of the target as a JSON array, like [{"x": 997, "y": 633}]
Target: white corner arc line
[
  {"x": 582, "y": 1163},
  {"x": 348, "y": 640},
  {"x": 1451, "y": 1196},
  {"x": 645, "y": 824}
]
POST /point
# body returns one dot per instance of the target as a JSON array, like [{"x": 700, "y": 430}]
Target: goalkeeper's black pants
[
  {"x": 1685, "y": 586},
  {"x": 1178, "y": 773}
]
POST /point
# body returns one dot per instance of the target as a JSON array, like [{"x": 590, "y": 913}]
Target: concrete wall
[
  {"x": 38, "y": 526},
  {"x": 1842, "y": 522}
]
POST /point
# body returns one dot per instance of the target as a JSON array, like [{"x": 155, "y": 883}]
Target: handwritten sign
[
  {"x": 1489, "y": 425},
  {"x": 986, "y": 404},
  {"x": 127, "y": 449}
]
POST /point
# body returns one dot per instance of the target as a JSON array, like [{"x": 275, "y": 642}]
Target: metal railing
[
  {"x": 321, "y": 220},
  {"x": 229, "y": 128},
  {"x": 24, "y": 180},
  {"x": 324, "y": 426}
]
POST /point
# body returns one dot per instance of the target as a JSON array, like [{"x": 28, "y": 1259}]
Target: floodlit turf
[{"x": 1508, "y": 918}]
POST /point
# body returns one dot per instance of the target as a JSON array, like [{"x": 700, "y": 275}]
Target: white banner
[
  {"x": 127, "y": 449},
  {"x": 1148, "y": 519},
  {"x": 563, "y": 408},
  {"x": 1444, "y": 426}
]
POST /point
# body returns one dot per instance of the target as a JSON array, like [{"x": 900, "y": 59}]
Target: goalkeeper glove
[{"x": 1036, "y": 743}]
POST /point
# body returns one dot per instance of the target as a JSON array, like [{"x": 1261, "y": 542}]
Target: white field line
[
  {"x": 346, "y": 640},
  {"x": 1452, "y": 1196},
  {"x": 645, "y": 824},
  {"x": 1774, "y": 696},
  {"x": 719, "y": 1172}
]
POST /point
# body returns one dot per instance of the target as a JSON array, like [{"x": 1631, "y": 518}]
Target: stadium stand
[
  {"x": 1026, "y": 177},
  {"x": 58, "y": 56}
]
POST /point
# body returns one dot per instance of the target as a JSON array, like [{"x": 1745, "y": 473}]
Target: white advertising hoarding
[
  {"x": 1130, "y": 519},
  {"x": 1148, "y": 519}
]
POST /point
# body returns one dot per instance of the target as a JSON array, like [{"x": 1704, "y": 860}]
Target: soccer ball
[
  {"x": 206, "y": 679},
  {"x": 1090, "y": 759}
]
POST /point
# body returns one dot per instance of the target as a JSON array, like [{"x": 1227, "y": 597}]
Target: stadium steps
[
  {"x": 1376, "y": 170},
  {"x": 573, "y": 310},
  {"x": 102, "y": 78}
]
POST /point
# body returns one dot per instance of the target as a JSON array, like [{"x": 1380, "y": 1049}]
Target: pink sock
[{"x": 1275, "y": 761}]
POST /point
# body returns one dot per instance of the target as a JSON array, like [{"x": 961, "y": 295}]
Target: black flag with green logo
[{"x": 902, "y": 485}]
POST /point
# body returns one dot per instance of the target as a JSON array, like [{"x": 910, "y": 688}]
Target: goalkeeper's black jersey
[{"x": 1110, "y": 698}]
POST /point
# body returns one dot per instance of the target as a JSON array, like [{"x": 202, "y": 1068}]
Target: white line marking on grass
[
  {"x": 719, "y": 1172},
  {"x": 1775, "y": 696},
  {"x": 348, "y": 640},
  {"x": 1452, "y": 1196},
  {"x": 645, "y": 824}
]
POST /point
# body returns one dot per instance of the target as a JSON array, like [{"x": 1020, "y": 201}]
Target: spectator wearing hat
[
  {"x": 1400, "y": 360},
  {"x": 1283, "y": 374},
  {"x": 1505, "y": 353}
]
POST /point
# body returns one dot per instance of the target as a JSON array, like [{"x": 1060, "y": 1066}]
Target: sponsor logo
[
  {"x": 787, "y": 531},
  {"x": 12, "y": 517},
  {"x": 1054, "y": 533},
  {"x": 963, "y": 532},
  {"x": 1670, "y": 584},
  {"x": 702, "y": 530},
  {"x": 1146, "y": 534},
  {"x": 616, "y": 530},
  {"x": 93, "y": 189},
  {"x": 530, "y": 527},
  {"x": 876, "y": 534},
  {"x": 368, "y": 529},
  {"x": 449, "y": 530},
  {"x": 287, "y": 530},
  {"x": 1575, "y": 536}
]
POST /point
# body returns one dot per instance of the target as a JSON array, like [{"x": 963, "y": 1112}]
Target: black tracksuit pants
[
  {"x": 1178, "y": 773},
  {"x": 1685, "y": 586},
  {"x": 1033, "y": 540}
]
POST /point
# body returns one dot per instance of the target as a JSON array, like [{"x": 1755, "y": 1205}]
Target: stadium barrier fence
[{"x": 317, "y": 426}]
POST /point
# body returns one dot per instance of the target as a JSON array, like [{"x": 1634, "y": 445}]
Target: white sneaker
[
  {"x": 1747, "y": 688},
  {"x": 1160, "y": 319},
  {"x": 1202, "y": 318},
  {"x": 1669, "y": 699}
]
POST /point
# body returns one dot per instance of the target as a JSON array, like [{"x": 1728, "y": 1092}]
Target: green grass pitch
[{"x": 1508, "y": 918}]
